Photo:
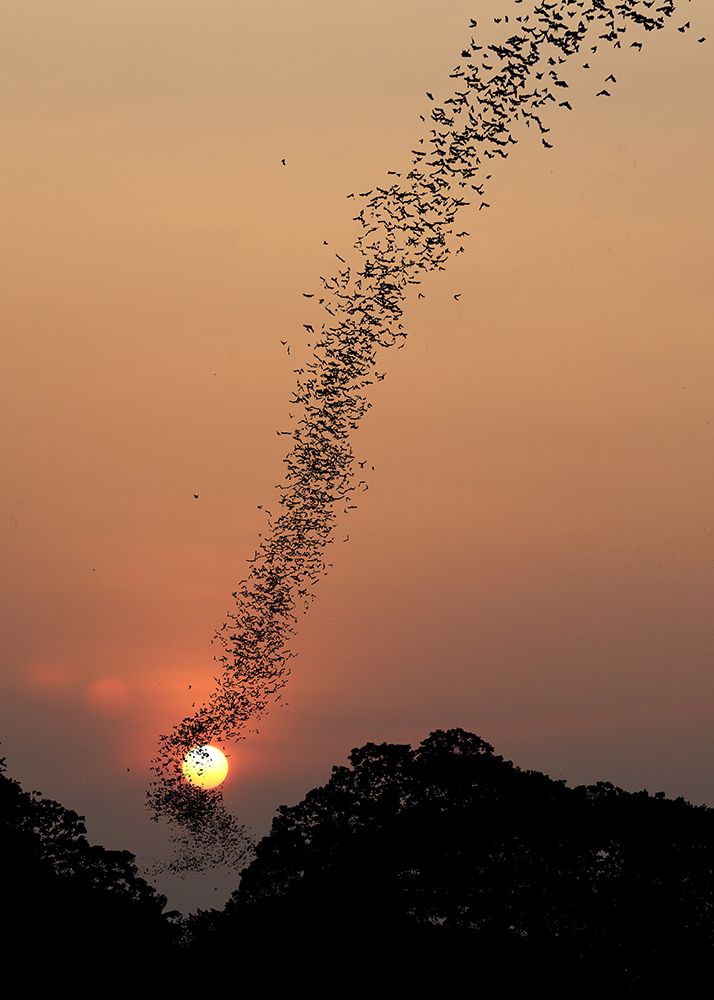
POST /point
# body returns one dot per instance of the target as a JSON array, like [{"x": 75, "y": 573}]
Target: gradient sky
[{"x": 534, "y": 559}]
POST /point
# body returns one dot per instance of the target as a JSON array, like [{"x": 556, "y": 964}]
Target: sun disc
[{"x": 205, "y": 767}]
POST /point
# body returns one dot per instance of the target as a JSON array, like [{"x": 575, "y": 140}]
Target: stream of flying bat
[{"x": 406, "y": 229}]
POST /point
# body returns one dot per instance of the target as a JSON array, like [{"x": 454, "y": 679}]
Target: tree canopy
[
  {"x": 411, "y": 865},
  {"x": 452, "y": 855},
  {"x": 67, "y": 901}
]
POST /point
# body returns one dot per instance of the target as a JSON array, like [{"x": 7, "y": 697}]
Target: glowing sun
[{"x": 205, "y": 767}]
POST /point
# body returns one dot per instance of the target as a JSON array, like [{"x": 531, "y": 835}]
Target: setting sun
[{"x": 205, "y": 766}]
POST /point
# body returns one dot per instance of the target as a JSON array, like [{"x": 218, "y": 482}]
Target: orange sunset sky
[{"x": 534, "y": 559}]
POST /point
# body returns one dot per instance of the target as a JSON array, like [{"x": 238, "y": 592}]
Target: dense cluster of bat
[{"x": 407, "y": 229}]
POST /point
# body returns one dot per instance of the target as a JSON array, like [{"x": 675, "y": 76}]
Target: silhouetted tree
[
  {"x": 449, "y": 858},
  {"x": 68, "y": 904},
  {"x": 443, "y": 862}
]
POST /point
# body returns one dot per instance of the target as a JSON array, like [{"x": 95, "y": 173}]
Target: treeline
[
  {"x": 64, "y": 902},
  {"x": 418, "y": 866}
]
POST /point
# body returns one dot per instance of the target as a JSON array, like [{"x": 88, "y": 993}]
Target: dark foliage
[
  {"x": 448, "y": 860},
  {"x": 67, "y": 906},
  {"x": 433, "y": 866}
]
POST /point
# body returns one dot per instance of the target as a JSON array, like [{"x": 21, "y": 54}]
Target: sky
[{"x": 534, "y": 558}]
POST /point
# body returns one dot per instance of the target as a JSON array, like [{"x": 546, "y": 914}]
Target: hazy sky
[{"x": 534, "y": 559}]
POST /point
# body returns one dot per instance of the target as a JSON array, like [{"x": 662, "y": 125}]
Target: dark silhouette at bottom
[
  {"x": 441, "y": 865},
  {"x": 448, "y": 861},
  {"x": 70, "y": 911}
]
